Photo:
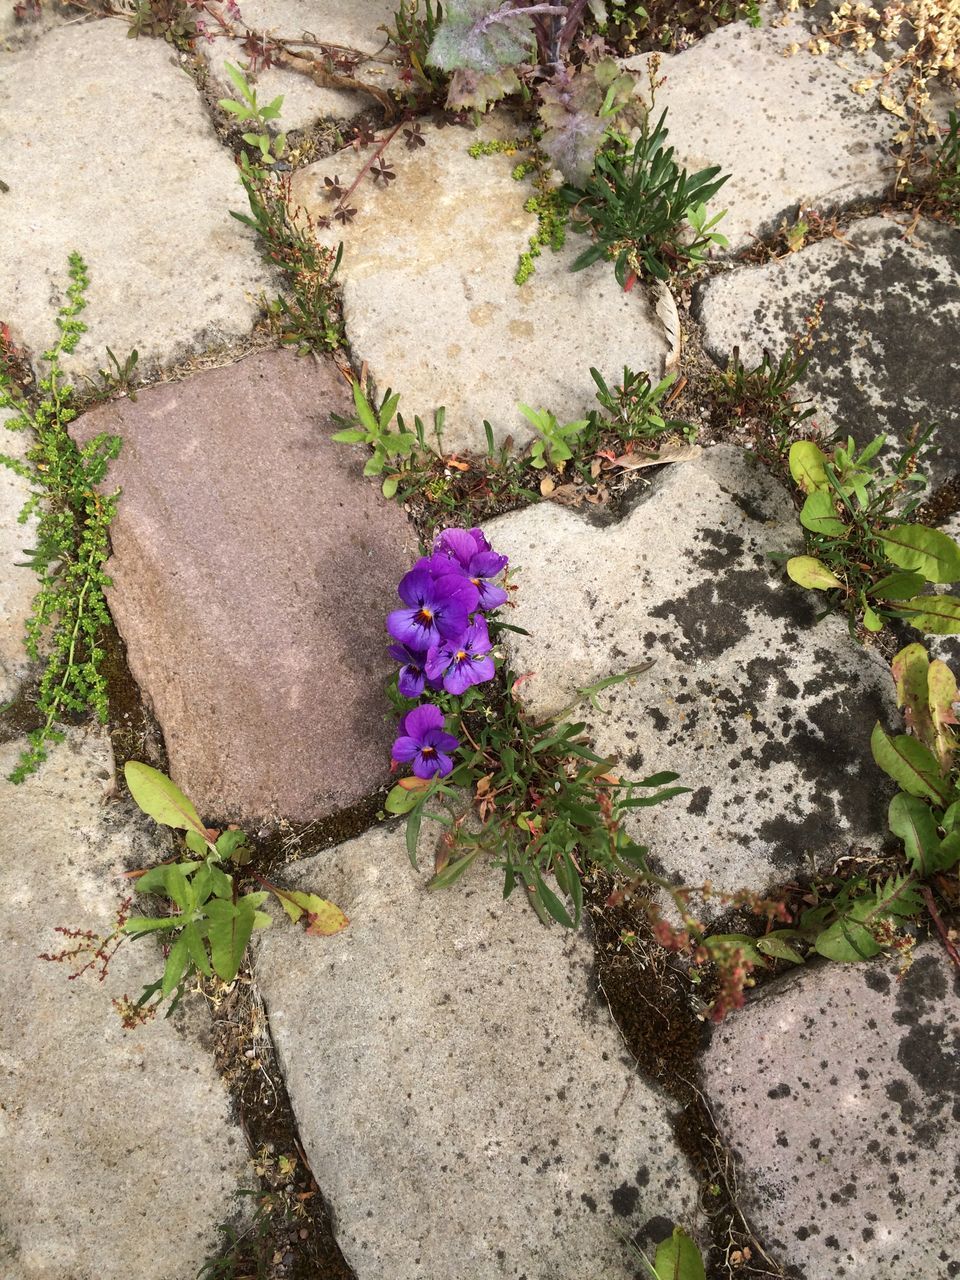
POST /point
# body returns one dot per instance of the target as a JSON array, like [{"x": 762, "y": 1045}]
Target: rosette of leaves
[
  {"x": 213, "y": 922},
  {"x": 644, "y": 210},
  {"x": 865, "y": 555}
]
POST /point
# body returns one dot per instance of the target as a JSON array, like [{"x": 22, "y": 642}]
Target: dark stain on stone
[
  {"x": 877, "y": 980},
  {"x": 623, "y": 1201},
  {"x": 698, "y": 802}
]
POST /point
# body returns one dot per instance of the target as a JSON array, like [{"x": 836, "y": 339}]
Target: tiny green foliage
[
  {"x": 271, "y": 147},
  {"x": 862, "y": 550},
  {"x": 69, "y": 611},
  {"x": 641, "y": 207},
  {"x": 213, "y": 922},
  {"x": 556, "y": 441},
  {"x": 945, "y": 176},
  {"x": 764, "y": 391},
  {"x": 632, "y": 409},
  {"x": 394, "y": 450}
]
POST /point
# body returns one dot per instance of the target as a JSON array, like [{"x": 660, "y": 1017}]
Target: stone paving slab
[
  {"x": 344, "y": 22},
  {"x": 464, "y": 1100},
  {"x": 18, "y": 586},
  {"x": 766, "y": 715},
  {"x": 123, "y": 166},
  {"x": 120, "y": 1154},
  {"x": 430, "y": 301},
  {"x": 253, "y": 568},
  {"x": 887, "y": 354},
  {"x": 839, "y": 1088},
  {"x": 787, "y": 129}
]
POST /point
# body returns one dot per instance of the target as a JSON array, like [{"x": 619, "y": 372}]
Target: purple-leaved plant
[{"x": 442, "y": 640}]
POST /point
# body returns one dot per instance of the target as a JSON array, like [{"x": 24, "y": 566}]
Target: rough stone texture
[
  {"x": 839, "y": 1088},
  {"x": 16, "y": 31},
  {"x": 764, "y": 714},
  {"x": 463, "y": 1098},
  {"x": 170, "y": 270},
  {"x": 887, "y": 354},
  {"x": 253, "y": 568},
  {"x": 120, "y": 1154},
  {"x": 17, "y": 585},
  {"x": 430, "y": 300},
  {"x": 346, "y": 23},
  {"x": 788, "y": 130}
]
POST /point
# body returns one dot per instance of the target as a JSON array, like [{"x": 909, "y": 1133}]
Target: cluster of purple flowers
[{"x": 442, "y": 639}]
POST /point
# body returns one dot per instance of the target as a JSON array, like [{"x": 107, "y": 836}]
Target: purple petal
[
  {"x": 411, "y": 681},
  {"x": 487, "y": 564},
  {"x": 482, "y": 670},
  {"x": 405, "y": 749},
  {"x": 402, "y": 624},
  {"x": 452, "y": 619},
  {"x": 477, "y": 640},
  {"x": 415, "y": 587},
  {"x": 418, "y": 722},
  {"x": 438, "y": 659},
  {"x": 459, "y": 544},
  {"x": 491, "y": 597}
]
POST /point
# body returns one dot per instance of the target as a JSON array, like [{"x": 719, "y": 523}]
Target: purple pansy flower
[
  {"x": 439, "y": 607},
  {"x": 467, "y": 552},
  {"x": 424, "y": 743},
  {"x": 412, "y": 677},
  {"x": 462, "y": 663}
]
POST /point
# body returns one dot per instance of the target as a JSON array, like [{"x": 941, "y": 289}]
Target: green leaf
[
  {"x": 364, "y": 412},
  {"x": 897, "y": 586},
  {"x": 197, "y": 843},
  {"x": 847, "y": 942},
  {"x": 723, "y": 942},
  {"x": 678, "y": 1259},
  {"x": 452, "y": 871},
  {"x": 402, "y": 799},
  {"x": 910, "y": 669},
  {"x": 169, "y": 879},
  {"x": 927, "y": 551},
  {"x": 950, "y": 851},
  {"x": 146, "y": 924},
  {"x": 809, "y": 572},
  {"x": 807, "y": 466},
  {"x": 161, "y": 799},
  {"x": 910, "y": 819},
  {"x": 352, "y": 435},
  {"x": 942, "y": 694},
  {"x": 390, "y": 486},
  {"x": 911, "y": 765},
  {"x": 773, "y": 944},
  {"x": 232, "y": 844},
  {"x": 176, "y": 964},
  {"x": 871, "y": 620},
  {"x": 231, "y": 925},
  {"x": 197, "y": 949},
  {"x": 550, "y": 902},
  {"x": 937, "y": 615},
  {"x": 819, "y": 515},
  {"x": 413, "y": 834}
]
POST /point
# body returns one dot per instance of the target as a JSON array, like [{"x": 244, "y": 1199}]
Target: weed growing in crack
[
  {"x": 945, "y": 176},
  {"x": 865, "y": 555},
  {"x": 69, "y": 611},
  {"x": 763, "y": 393}
]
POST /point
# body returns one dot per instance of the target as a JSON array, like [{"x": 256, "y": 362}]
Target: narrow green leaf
[
  {"x": 927, "y": 551},
  {"x": 231, "y": 925},
  {"x": 413, "y": 833},
  {"x": 910, "y": 819},
  {"x": 146, "y": 924},
  {"x": 452, "y": 871},
  {"x": 897, "y": 586},
  {"x": 352, "y": 435},
  {"x": 197, "y": 949},
  {"x": 176, "y": 964},
  {"x": 937, "y": 615},
  {"x": 911, "y": 765}
]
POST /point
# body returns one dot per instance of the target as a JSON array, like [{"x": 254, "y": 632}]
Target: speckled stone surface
[
  {"x": 839, "y": 1089},
  {"x": 121, "y": 1157},
  {"x": 18, "y": 584},
  {"x": 113, "y": 155},
  {"x": 887, "y": 354},
  {"x": 463, "y": 1097},
  {"x": 430, "y": 301},
  {"x": 249, "y": 554},
  {"x": 785, "y": 126},
  {"x": 764, "y": 714}
]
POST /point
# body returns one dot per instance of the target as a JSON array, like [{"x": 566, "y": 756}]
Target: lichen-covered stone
[
  {"x": 120, "y": 1154},
  {"x": 887, "y": 353},
  {"x": 839, "y": 1090},
  {"x": 783, "y": 123},
  {"x": 431, "y": 304},
  {"x": 764, "y": 714},
  {"x": 253, "y": 568},
  {"x": 112, "y": 154},
  {"x": 463, "y": 1097}
]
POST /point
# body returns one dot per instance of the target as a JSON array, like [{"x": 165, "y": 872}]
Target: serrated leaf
[
  {"x": 474, "y": 90},
  {"x": 477, "y": 35},
  {"x": 807, "y": 571},
  {"x": 807, "y": 466},
  {"x": 569, "y": 107},
  {"x": 910, "y": 819},
  {"x": 818, "y": 514},
  {"x": 911, "y": 765},
  {"x": 935, "y": 614},
  {"x": 161, "y": 799},
  {"x": 926, "y": 551}
]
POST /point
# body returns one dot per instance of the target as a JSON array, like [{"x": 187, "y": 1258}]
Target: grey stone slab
[
  {"x": 253, "y": 568},
  {"x": 787, "y": 129},
  {"x": 839, "y": 1089},
  {"x": 887, "y": 354},
  {"x": 463, "y": 1097},
  {"x": 765, "y": 715},
  {"x": 431, "y": 304},
  {"x": 123, "y": 166},
  {"x": 121, "y": 1156},
  {"x": 18, "y": 584},
  {"x": 16, "y": 31}
]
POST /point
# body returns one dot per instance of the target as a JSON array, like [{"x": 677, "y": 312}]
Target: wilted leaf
[
  {"x": 942, "y": 687},
  {"x": 323, "y": 918},
  {"x": 569, "y": 107},
  {"x": 910, "y": 668},
  {"x": 161, "y": 799},
  {"x": 809, "y": 572},
  {"x": 668, "y": 453}
]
